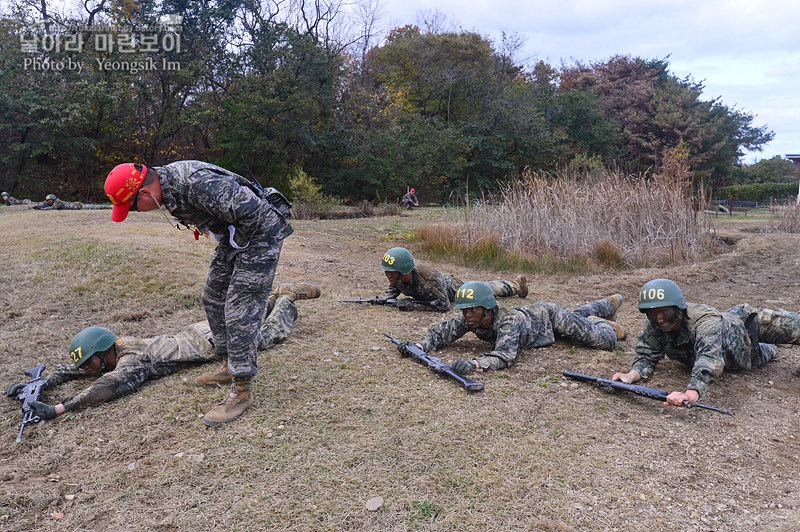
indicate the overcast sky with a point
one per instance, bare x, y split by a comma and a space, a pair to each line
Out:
746, 53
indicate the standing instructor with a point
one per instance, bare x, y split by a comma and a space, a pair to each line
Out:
250, 232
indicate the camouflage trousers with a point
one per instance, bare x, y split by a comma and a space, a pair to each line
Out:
278, 324
235, 300
504, 288
765, 327
575, 327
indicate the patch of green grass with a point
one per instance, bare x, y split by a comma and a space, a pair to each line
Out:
424, 510
545, 381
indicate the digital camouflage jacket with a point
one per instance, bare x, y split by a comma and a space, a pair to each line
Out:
710, 341
10, 200
427, 284
527, 327
59, 205
137, 361
209, 198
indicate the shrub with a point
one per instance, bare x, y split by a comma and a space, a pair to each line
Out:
304, 189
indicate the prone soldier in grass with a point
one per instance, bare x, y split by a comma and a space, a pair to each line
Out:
8, 199
51, 202
524, 327
422, 283
703, 338
124, 364
250, 231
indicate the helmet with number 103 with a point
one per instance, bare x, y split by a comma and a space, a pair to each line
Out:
397, 260
474, 294
660, 293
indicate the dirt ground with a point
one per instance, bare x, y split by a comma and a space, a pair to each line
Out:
341, 418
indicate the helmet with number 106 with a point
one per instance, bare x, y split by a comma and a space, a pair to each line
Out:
398, 260
474, 294
661, 293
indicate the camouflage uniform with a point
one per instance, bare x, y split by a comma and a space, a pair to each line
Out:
529, 326
427, 284
409, 200
59, 205
14, 201
139, 360
251, 232
710, 341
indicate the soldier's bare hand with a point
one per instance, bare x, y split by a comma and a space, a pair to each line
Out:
677, 398
628, 378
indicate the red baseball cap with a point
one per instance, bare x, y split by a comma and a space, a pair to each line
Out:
122, 183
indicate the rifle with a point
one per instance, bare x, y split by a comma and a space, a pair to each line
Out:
644, 391
27, 395
438, 366
389, 301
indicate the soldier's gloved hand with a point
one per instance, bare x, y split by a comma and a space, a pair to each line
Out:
405, 304
403, 348
12, 390
462, 367
43, 410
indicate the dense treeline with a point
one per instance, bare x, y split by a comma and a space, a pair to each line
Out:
302, 86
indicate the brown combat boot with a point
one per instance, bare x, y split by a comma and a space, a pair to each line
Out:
297, 291
522, 281
215, 378
239, 399
616, 301
619, 330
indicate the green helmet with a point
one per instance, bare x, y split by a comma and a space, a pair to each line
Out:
89, 341
660, 293
4, 193
398, 260
50, 197
475, 294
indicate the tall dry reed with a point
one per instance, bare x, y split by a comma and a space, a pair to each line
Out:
784, 219
615, 220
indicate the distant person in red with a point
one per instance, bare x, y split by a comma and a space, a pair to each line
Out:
409, 200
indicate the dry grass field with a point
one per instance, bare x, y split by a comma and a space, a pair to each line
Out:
341, 418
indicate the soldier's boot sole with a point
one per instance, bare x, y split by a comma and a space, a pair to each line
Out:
616, 302
522, 281
215, 379
297, 291
619, 330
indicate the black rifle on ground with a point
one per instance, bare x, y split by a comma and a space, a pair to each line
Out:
438, 366
389, 301
644, 391
28, 394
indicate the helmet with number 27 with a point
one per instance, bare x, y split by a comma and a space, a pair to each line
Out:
89, 341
